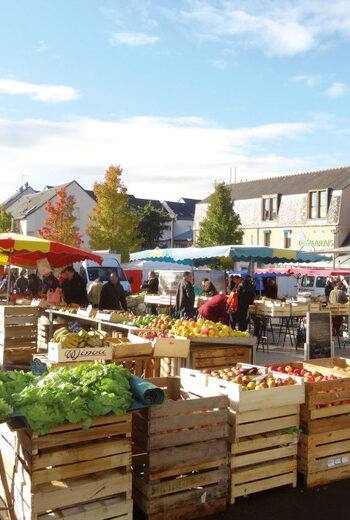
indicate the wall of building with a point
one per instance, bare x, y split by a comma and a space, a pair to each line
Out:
306, 234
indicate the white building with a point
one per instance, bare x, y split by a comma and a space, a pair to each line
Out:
28, 208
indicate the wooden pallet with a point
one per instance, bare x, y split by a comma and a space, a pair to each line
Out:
68, 467
212, 356
43, 333
324, 457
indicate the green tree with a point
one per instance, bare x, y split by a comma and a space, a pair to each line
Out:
60, 223
153, 223
113, 225
221, 225
6, 221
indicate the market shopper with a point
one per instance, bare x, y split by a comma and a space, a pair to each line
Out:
185, 297
337, 295
246, 296
94, 292
209, 288
270, 290
329, 287
34, 286
215, 309
151, 286
74, 287
232, 302
52, 289
113, 295
22, 284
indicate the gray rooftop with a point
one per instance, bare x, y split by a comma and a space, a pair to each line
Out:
336, 179
28, 203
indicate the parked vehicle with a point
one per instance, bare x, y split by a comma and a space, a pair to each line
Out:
90, 270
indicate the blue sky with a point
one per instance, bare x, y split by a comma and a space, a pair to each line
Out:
176, 92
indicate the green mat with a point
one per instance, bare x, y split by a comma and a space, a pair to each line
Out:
145, 393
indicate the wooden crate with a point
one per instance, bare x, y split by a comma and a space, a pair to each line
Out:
325, 408
180, 466
18, 334
68, 467
263, 452
43, 333
179, 421
139, 366
115, 508
339, 366
215, 356
324, 457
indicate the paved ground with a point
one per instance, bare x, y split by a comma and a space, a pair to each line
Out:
285, 503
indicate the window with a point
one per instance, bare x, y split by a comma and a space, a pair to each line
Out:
269, 207
307, 281
267, 239
321, 281
318, 204
287, 239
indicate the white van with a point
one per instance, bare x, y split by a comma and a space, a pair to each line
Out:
90, 270
316, 284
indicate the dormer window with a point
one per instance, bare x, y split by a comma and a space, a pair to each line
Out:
269, 207
317, 204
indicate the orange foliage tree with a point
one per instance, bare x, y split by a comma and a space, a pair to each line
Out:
60, 224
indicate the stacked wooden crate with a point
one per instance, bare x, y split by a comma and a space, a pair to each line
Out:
180, 467
263, 433
324, 452
18, 334
70, 474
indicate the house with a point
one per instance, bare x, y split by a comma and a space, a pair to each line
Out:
181, 214
180, 231
28, 210
23, 190
308, 211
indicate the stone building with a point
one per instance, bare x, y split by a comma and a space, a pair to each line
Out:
308, 211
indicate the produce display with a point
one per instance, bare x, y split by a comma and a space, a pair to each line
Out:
253, 378
66, 394
92, 338
121, 317
151, 321
135, 299
191, 329
310, 376
151, 334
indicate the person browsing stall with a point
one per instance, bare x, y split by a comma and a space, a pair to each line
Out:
215, 309
185, 297
113, 295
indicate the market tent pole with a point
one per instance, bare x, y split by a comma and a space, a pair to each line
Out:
8, 278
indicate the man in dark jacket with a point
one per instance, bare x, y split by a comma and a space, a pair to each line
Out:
185, 296
74, 287
246, 296
22, 284
151, 286
113, 295
209, 288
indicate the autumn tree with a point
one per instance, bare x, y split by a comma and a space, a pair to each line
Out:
6, 221
113, 225
60, 224
153, 223
221, 225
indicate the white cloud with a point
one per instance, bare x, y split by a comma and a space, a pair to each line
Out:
219, 64
134, 39
46, 93
170, 157
275, 27
309, 81
42, 47
337, 89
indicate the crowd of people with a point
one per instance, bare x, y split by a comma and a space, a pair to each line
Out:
68, 287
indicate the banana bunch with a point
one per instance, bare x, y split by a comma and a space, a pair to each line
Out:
93, 338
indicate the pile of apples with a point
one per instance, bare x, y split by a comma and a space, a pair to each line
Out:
204, 328
308, 375
150, 335
251, 378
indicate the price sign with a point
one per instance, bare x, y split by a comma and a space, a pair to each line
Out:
74, 326
319, 342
